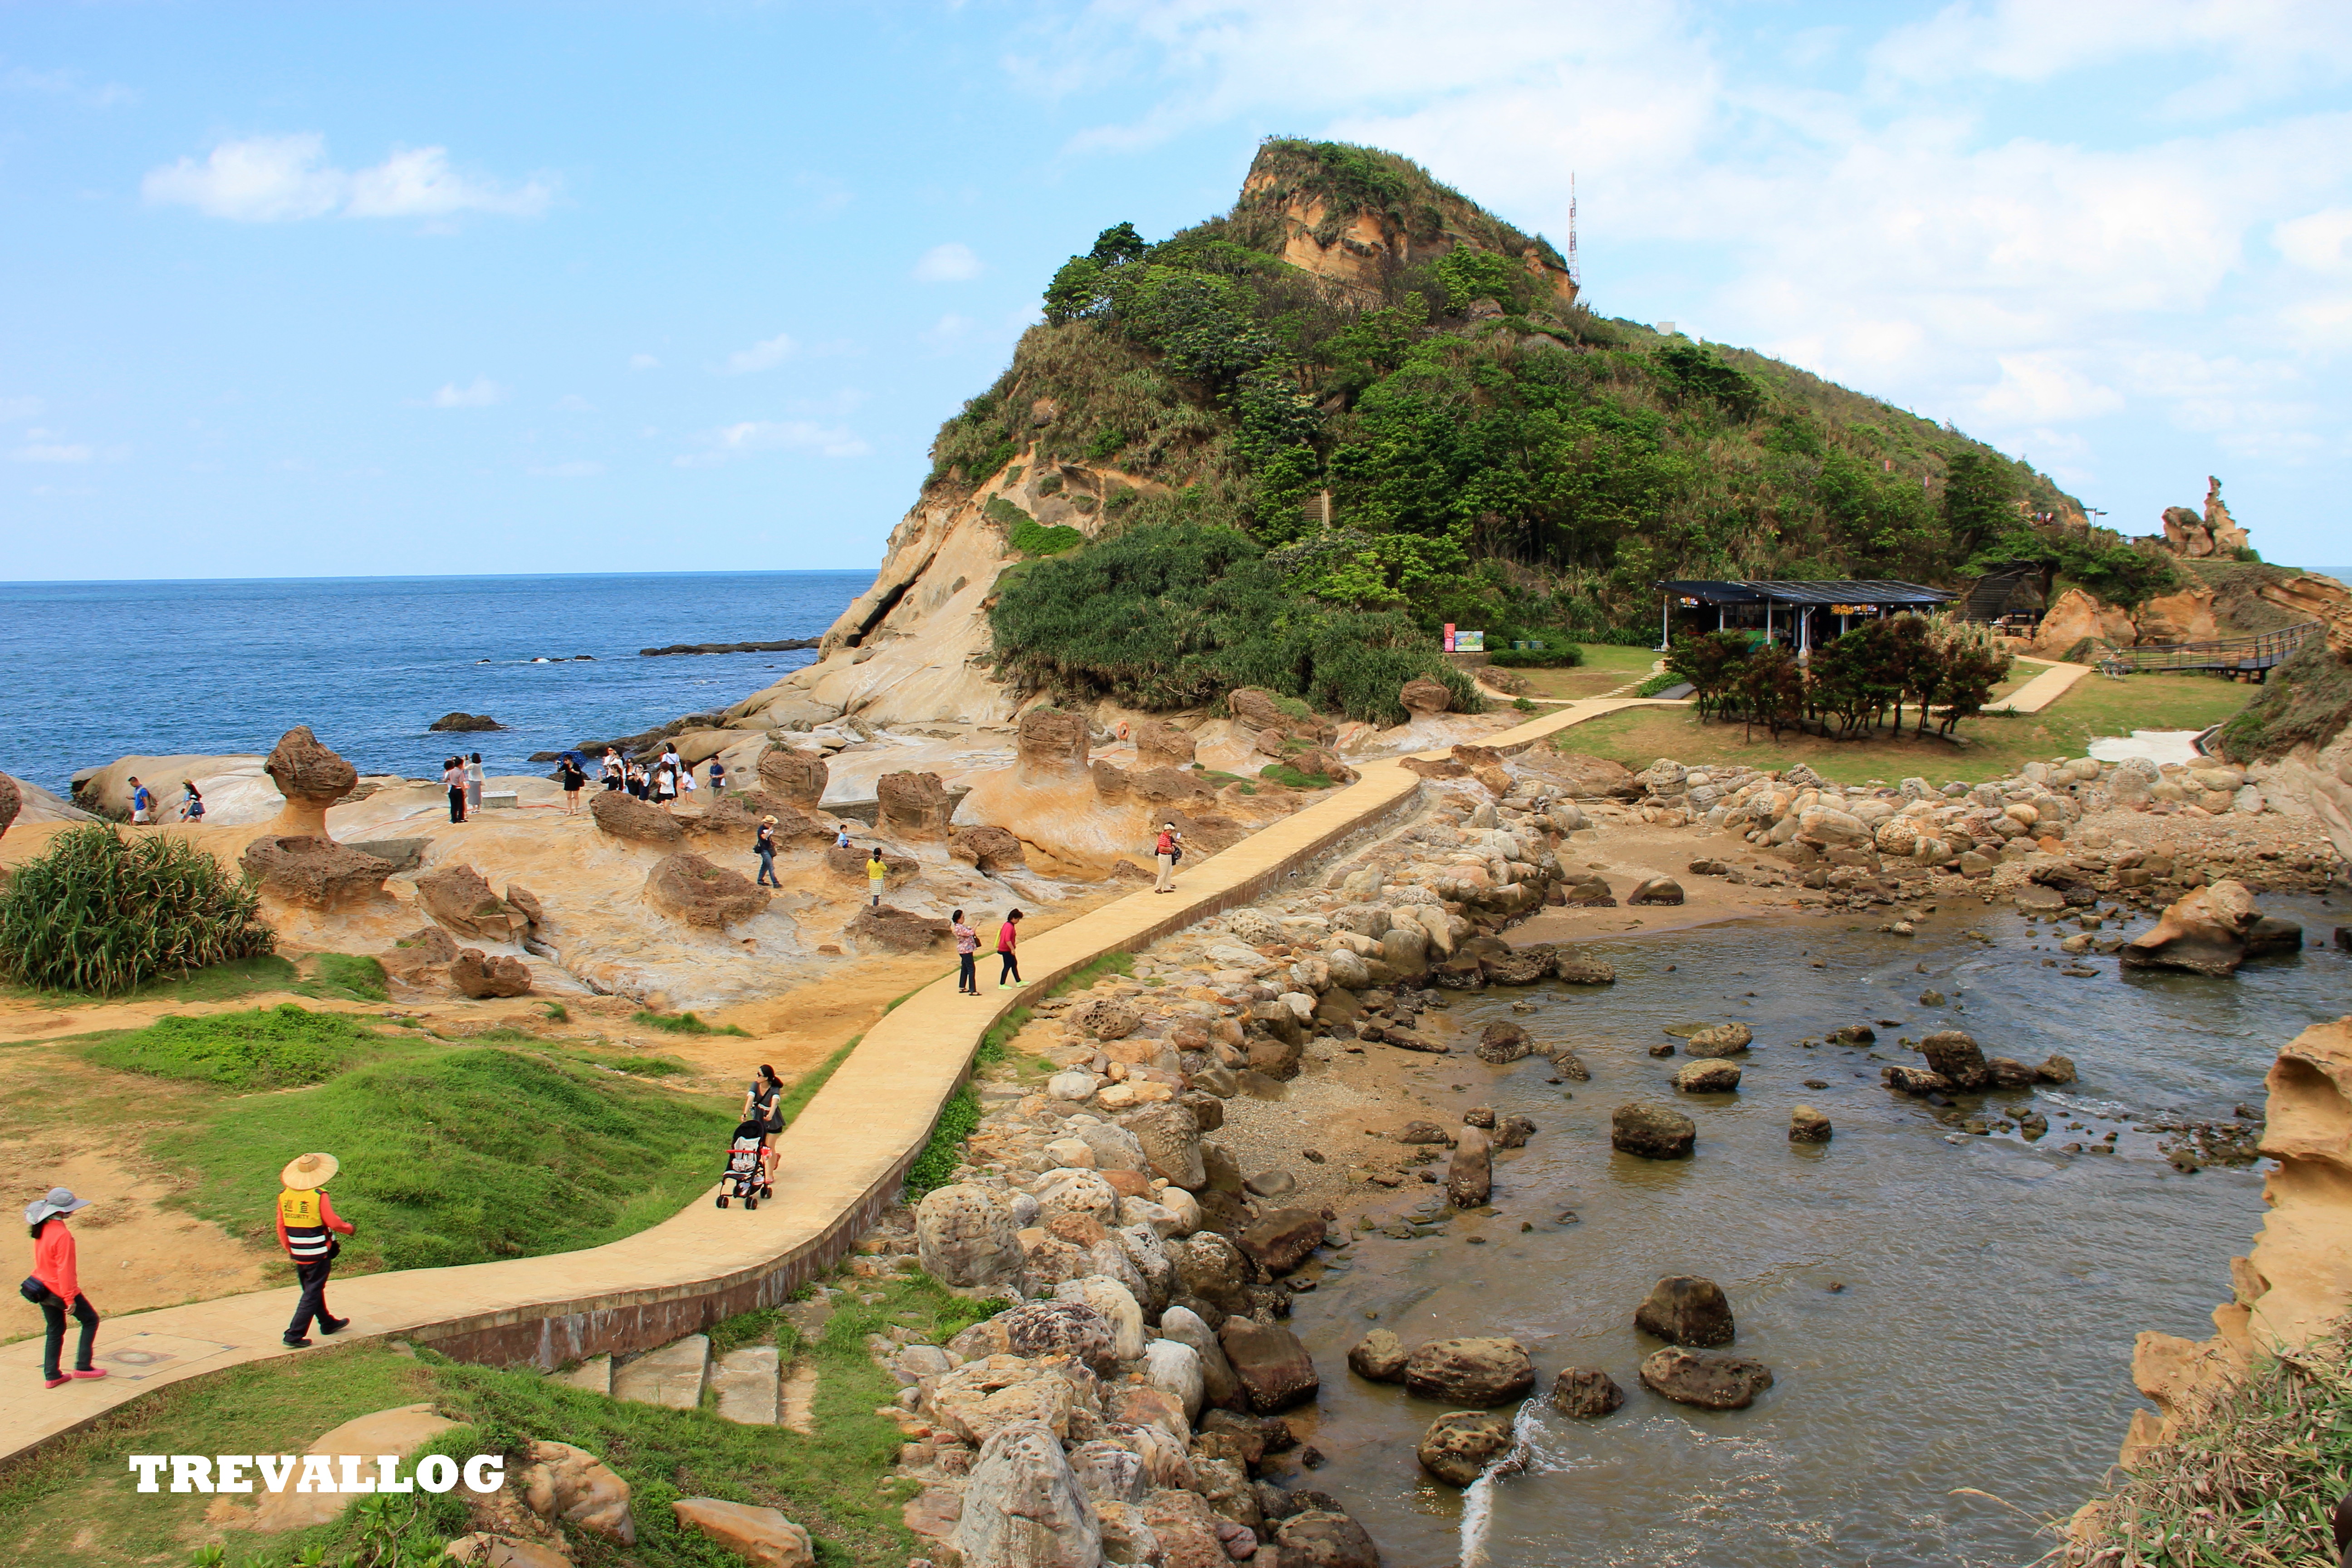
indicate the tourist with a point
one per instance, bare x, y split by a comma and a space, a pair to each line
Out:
759, 1105
877, 874
765, 848
453, 775
616, 773
967, 942
1168, 849
1007, 936
717, 776
573, 776
636, 777
60, 1286
474, 784
192, 803
307, 1225
142, 804
664, 784
841, 837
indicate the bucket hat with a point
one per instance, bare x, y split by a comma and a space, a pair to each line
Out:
60, 1201
309, 1170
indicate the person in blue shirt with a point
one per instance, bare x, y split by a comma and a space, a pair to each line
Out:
142, 803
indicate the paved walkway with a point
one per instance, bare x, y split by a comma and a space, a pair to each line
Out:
844, 1161
2053, 682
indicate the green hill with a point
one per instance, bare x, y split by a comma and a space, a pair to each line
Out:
1357, 406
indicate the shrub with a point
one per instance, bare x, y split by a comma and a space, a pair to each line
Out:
104, 914
935, 1166
1567, 656
357, 973
275, 1047
2307, 701
684, 1023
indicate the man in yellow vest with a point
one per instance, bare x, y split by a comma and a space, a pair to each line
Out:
307, 1226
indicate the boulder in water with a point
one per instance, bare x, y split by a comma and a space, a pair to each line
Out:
1459, 1445
1586, 1393
1721, 1040
464, 722
1955, 1056
2204, 933
1706, 1078
1324, 1538
1481, 1370
1273, 1366
1685, 1309
1503, 1041
1807, 1125
1709, 1382
1378, 1357
1656, 890
1652, 1132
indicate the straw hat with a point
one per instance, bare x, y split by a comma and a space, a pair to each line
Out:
309, 1170
60, 1201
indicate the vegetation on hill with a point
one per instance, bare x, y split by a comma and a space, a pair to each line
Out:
1493, 458
2307, 700
101, 913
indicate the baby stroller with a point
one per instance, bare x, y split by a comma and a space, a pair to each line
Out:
747, 1175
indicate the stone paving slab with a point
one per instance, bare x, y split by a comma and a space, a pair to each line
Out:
594, 1374
748, 1386
843, 1161
672, 1376
2041, 690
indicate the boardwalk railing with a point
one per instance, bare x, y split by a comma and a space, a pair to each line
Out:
2252, 655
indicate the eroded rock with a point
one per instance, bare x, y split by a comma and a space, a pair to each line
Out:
688, 886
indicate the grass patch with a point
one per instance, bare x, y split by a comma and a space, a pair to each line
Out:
684, 1023
283, 1047
215, 982
1604, 669
463, 1155
1664, 681
1993, 746
2250, 1478
649, 1067
1290, 777
935, 1166
355, 975
557, 1013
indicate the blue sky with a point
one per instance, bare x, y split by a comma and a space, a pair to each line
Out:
356, 289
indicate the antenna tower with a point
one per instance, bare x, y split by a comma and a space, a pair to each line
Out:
1575, 270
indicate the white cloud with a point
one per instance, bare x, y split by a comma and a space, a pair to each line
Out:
766, 354
478, 394
2036, 387
948, 332
573, 470
275, 179
949, 263
2317, 242
644, 361
572, 402
774, 436
21, 407
67, 84
53, 452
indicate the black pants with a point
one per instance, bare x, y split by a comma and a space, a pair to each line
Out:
967, 972
313, 1304
54, 1310
456, 804
1011, 970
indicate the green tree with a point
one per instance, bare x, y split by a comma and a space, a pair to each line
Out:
1711, 663
1979, 500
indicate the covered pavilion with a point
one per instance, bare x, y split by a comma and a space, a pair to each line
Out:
1786, 610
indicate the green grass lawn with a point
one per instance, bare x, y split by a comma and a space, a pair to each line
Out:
75, 1501
1988, 747
452, 1152
333, 976
1606, 668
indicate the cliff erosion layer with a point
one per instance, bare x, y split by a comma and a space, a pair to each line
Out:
2297, 1280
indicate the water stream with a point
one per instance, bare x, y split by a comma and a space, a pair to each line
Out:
1942, 1310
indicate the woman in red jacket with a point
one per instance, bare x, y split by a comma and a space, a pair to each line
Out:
52, 1268
1008, 938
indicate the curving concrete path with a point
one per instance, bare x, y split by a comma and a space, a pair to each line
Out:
2054, 681
844, 1161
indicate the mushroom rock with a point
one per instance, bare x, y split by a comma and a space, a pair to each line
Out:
797, 776
851, 862
901, 931
626, 817
986, 848
311, 778
1110, 781
1052, 741
701, 894
1160, 744
479, 976
1164, 783
913, 805
1421, 695
460, 899
317, 873
2205, 933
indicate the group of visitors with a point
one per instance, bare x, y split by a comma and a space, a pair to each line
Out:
142, 802
463, 776
308, 1225
661, 782
967, 940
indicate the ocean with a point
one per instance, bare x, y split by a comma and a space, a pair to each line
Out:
93, 671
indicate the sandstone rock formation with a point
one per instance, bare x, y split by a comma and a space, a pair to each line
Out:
626, 816
986, 849
693, 890
912, 806
477, 976
1652, 1132
1706, 1078
1586, 1393
2206, 933
966, 1238
571, 1485
1052, 742
1379, 1357
1458, 1447
1024, 1507
1159, 744
2296, 1282
1685, 1309
1709, 1382
311, 778
1808, 1125
317, 873
1273, 1368
760, 1536
1478, 1370
2197, 536
1422, 697
409, 958
2184, 616
12, 800
797, 776
2077, 614
899, 931
458, 898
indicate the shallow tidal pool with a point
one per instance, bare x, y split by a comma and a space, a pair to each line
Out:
1942, 1310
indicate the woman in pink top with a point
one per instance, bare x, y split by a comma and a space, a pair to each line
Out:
53, 1268
967, 956
1007, 936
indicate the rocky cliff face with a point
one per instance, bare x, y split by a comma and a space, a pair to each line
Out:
2297, 1280
1354, 246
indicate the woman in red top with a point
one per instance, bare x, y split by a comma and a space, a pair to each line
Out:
53, 1267
1007, 936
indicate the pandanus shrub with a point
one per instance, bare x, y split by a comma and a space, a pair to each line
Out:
103, 913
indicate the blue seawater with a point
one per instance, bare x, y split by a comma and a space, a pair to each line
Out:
92, 671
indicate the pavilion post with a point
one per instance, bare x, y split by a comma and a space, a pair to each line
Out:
1665, 622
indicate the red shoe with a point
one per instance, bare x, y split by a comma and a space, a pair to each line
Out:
88, 1372
57, 1383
